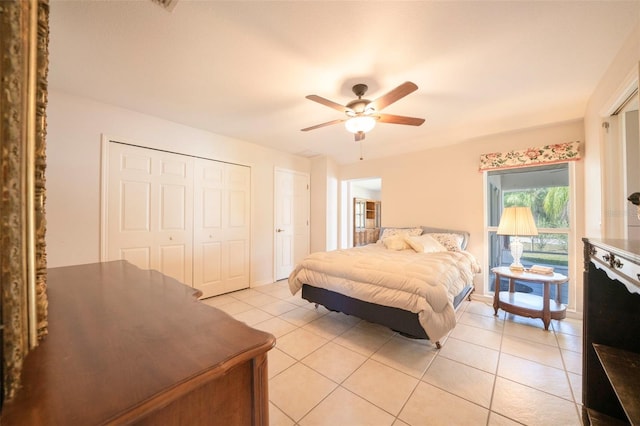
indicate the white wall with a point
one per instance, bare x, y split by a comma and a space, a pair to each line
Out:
74, 129
442, 187
439, 187
318, 228
360, 192
325, 196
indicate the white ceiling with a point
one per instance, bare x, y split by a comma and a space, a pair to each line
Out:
242, 68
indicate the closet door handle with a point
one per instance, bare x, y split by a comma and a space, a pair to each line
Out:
279, 230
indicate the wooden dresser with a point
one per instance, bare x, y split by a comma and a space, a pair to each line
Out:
128, 346
611, 352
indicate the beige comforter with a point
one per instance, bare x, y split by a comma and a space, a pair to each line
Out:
423, 283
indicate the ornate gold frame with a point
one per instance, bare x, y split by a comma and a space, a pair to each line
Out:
24, 41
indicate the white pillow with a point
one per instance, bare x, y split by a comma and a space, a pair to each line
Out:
390, 232
425, 244
452, 242
395, 242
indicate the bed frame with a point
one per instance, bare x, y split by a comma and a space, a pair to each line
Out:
400, 320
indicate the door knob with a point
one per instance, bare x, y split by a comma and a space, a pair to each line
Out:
279, 230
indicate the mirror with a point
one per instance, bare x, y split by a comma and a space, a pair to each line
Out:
620, 156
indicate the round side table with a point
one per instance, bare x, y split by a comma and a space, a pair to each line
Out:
529, 305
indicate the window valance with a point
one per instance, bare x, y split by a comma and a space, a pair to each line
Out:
556, 153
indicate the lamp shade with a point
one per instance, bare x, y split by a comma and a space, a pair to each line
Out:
517, 221
360, 123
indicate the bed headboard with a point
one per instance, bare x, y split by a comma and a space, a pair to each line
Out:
430, 229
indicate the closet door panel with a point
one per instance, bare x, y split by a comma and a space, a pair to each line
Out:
171, 261
208, 232
237, 259
135, 213
129, 199
237, 228
211, 209
173, 207
212, 268
237, 210
174, 230
139, 256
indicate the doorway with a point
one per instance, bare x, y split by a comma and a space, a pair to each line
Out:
362, 211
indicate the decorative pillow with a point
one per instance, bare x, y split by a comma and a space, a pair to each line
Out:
425, 244
451, 241
390, 232
395, 242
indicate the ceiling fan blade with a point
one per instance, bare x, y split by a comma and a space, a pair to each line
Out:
326, 102
317, 126
398, 93
400, 119
359, 136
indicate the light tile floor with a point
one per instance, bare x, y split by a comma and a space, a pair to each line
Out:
332, 369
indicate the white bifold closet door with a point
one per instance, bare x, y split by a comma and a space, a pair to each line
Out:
150, 210
183, 216
221, 227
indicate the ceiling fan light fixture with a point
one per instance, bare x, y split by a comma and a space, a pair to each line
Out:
361, 123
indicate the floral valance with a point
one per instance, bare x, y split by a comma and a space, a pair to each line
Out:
556, 153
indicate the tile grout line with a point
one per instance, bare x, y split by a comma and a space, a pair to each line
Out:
370, 356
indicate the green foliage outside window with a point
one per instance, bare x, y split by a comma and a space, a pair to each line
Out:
550, 208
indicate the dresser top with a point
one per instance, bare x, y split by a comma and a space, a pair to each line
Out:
629, 249
120, 339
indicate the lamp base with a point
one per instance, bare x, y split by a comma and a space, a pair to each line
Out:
516, 252
516, 268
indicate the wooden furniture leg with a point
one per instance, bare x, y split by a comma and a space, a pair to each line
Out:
546, 310
496, 295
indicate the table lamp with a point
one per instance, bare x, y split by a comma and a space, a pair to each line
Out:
517, 222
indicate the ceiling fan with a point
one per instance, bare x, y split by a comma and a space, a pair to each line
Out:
362, 114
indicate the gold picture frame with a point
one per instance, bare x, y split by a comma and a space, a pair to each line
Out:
24, 41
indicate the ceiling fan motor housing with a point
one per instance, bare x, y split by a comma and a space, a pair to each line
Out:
360, 89
358, 107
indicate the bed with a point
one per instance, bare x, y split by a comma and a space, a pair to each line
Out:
405, 281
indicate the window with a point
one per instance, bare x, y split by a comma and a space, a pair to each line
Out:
546, 190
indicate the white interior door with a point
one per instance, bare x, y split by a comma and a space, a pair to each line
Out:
291, 220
